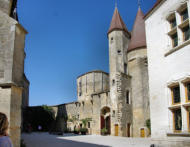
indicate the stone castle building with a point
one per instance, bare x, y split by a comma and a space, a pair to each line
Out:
117, 101
14, 86
149, 79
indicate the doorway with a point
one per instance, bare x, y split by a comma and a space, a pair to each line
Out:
142, 132
105, 121
116, 130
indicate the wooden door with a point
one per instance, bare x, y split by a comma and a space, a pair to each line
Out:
116, 130
142, 132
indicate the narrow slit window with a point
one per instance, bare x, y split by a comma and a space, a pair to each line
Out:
125, 68
127, 97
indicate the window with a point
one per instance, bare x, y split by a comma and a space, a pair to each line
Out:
186, 33
173, 23
174, 38
88, 124
125, 68
80, 88
184, 15
188, 118
175, 95
111, 40
119, 52
187, 91
177, 120
113, 82
113, 113
127, 97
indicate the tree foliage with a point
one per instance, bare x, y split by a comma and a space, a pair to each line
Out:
40, 115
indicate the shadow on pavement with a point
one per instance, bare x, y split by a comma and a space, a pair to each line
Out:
46, 140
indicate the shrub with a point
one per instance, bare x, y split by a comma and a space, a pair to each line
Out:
148, 124
76, 131
83, 131
104, 131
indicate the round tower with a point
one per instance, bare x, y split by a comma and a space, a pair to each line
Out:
118, 37
138, 70
91, 83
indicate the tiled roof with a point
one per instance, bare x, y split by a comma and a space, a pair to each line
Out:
138, 37
117, 23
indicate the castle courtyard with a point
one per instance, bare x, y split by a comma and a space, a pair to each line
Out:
70, 140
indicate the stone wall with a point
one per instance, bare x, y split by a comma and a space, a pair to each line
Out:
81, 110
5, 6
7, 36
92, 82
138, 70
12, 37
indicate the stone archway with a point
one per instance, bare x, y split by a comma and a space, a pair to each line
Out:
105, 119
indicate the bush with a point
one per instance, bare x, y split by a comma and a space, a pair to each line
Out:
104, 131
83, 131
148, 124
39, 115
76, 131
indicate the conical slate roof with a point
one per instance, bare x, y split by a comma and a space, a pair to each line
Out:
138, 37
117, 23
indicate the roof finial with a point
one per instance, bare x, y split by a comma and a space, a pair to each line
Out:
139, 3
115, 3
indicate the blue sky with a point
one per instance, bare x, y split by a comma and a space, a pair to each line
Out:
66, 39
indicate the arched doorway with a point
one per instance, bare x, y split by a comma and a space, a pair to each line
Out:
105, 119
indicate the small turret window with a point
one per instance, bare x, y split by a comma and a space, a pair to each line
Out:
125, 68
119, 52
127, 97
113, 82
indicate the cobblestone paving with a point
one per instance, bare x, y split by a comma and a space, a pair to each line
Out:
70, 140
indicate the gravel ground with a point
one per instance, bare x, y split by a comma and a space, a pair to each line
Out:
70, 140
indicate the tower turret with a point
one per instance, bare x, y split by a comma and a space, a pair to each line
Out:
138, 70
119, 37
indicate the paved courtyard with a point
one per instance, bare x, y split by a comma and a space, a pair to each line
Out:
70, 140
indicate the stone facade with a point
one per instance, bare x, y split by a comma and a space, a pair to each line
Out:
12, 79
